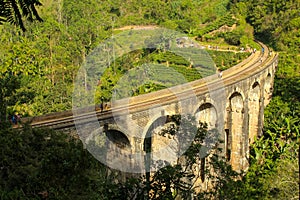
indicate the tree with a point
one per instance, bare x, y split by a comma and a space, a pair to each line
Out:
8, 86
178, 180
13, 11
42, 164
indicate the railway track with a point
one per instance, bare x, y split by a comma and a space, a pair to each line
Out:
254, 64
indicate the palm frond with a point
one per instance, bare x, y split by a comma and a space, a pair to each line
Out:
14, 11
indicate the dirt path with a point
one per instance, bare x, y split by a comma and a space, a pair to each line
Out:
137, 27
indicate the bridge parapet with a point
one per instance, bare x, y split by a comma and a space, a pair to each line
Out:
247, 88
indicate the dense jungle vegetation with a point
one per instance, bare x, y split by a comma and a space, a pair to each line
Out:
51, 52
38, 68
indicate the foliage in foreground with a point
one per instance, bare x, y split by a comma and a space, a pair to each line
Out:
13, 11
41, 163
273, 170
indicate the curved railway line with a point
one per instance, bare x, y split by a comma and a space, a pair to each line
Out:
254, 64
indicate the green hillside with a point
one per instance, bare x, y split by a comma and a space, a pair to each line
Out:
44, 60
38, 69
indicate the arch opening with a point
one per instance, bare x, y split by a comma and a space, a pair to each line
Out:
235, 140
207, 113
254, 111
255, 85
154, 139
267, 89
118, 138
154, 142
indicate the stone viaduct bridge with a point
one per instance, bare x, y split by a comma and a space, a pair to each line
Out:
233, 104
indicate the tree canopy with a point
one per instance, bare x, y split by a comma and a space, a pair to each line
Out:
38, 68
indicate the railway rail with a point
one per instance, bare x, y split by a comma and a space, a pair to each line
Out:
254, 64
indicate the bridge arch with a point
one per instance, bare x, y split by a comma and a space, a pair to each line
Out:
234, 139
256, 81
207, 113
158, 117
152, 131
267, 89
118, 138
254, 110
235, 91
274, 66
156, 146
